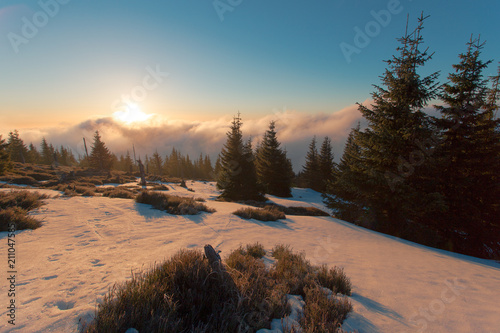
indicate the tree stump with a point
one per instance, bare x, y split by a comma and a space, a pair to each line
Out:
213, 259
143, 175
225, 280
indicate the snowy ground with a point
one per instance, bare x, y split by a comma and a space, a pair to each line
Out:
86, 244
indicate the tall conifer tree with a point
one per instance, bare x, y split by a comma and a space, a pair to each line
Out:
100, 156
47, 152
326, 163
237, 178
33, 154
342, 194
396, 125
274, 169
17, 149
469, 157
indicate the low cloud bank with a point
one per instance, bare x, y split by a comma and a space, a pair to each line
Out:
295, 131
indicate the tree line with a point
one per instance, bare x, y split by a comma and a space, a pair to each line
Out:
101, 158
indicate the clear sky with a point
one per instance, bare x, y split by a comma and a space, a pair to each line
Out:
64, 62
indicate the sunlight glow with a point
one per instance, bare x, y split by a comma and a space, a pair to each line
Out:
131, 115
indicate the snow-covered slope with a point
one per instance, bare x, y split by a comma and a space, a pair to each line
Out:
86, 244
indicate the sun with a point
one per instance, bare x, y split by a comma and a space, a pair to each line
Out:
131, 115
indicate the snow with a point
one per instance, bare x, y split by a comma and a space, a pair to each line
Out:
291, 321
87, 244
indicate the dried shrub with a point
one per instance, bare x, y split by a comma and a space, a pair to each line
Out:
266, 214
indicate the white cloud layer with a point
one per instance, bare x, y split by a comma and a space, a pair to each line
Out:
295, 131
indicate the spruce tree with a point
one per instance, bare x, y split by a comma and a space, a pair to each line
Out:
325, 163
5, 163
157, 163
174, 163
128, 163
207, 168
217, 167
62, 156
100, 156
342, 194
249, 170
33, 155
65, 156
391, 154
16, 147
47, 153
469, 157
237, 178
274, 169
311, 170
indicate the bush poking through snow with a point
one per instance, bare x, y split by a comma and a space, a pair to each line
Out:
334, 279
304, 211
297, 272
172, 204
256, 250
323, 313
14, 207
19, 217
23, 199
118, 192
292, 210
184, 294
75, 189
292, 270
157, 187
266, 214
20, 180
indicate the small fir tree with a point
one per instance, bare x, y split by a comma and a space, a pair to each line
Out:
5, 163
100, 156
341, 194
33, 154
47, 152
311, 170
16, 147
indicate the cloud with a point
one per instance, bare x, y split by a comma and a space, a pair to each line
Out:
295, 131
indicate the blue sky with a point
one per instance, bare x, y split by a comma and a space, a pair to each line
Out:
262, 57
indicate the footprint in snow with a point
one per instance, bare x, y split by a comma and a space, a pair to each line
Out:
61, 305
54, 257
96, 263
